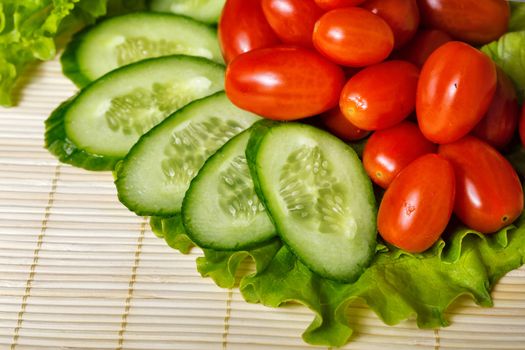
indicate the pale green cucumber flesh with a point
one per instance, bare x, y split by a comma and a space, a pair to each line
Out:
207, 11
129, 38
156, 173
319, 196
221, 209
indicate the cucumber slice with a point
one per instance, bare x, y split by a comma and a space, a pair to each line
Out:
207, 11
319, 196
221, 210
119, 41
156, 173
98, 127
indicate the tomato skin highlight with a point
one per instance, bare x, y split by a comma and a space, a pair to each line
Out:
388, 152
381, 95
423, 44
292, 20
401, 15
455, 89
243, 27
341, 35
474, 21
337, 124
417, 206
499, 124
284, 83
334, 4
489, 195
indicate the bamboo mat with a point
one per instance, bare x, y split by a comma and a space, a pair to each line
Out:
79, 271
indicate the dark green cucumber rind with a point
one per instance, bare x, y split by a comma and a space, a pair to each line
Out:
188, 198
69, 61
58, 144
261, 130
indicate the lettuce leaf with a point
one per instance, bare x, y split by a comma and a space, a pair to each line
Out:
29, 30
396, 286
517, 19
509, 53
172, 230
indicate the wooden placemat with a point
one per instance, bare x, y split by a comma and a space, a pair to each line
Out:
79, 271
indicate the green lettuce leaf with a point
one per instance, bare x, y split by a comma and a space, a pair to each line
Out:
172, 230
29, 30
397, 285
517, 19
509, 53
223, 266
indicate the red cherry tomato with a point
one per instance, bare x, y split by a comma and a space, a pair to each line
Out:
353, 37
456, 86
380, 96
292, 20
401, 15
522, 125
423, 44
284, 83
334, 4
417, 206
499, 124
489, 195
474, 21
337, 124
243, 27
388, 152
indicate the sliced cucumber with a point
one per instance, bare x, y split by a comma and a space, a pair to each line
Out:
221, 210
319, 196
119, 41
207, 11
98, 127
155, 175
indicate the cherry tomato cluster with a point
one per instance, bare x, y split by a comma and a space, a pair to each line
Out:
438, 110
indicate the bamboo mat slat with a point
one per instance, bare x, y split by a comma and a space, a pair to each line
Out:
79, 271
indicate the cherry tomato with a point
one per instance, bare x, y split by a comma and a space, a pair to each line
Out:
337, 124
380, 96
423, 44
353, 37
499, 124
474, 21
292, 20
456, 86
417, 206
522, 125
243, 27
401, 15
489, 194
284, 83
334, 4
388, 152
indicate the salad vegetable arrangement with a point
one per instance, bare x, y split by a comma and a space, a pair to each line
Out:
425, 92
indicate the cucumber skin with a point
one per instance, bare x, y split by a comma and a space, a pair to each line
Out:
58, 144
69, 62
260, 130
187, 224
